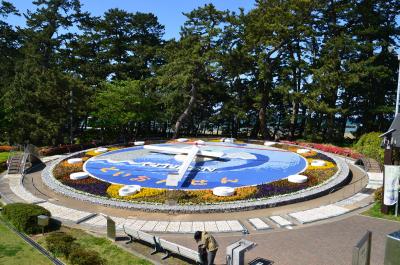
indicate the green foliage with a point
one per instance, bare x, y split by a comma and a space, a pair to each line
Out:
85, 257
375, 211
37, 101
110, 252
370, 145
15, 251
24, 216
378, 194
60, 243
122, 106
3, 160
285, 69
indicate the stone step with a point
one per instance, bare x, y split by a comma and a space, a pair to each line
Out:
320, 213
259, 224
280, 221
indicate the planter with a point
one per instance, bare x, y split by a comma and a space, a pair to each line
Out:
297, 178
223, 191
78, 175
129, 190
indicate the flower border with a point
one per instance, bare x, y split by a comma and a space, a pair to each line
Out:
306, 194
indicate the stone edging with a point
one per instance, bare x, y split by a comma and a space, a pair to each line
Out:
313, 192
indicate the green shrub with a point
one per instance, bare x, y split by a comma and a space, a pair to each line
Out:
80, 256
378, 194
24, 216
370, 145
3, 166
60, 243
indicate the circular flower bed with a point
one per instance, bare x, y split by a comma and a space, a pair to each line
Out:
316, 176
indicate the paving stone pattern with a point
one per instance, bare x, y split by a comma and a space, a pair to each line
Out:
62, 212
320, 213
353, 199
280, 221
259, 224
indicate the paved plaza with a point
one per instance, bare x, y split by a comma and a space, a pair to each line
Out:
330, 243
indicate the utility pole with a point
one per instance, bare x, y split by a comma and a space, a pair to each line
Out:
70, 118
391, 50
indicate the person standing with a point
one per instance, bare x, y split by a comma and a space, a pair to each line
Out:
207, 242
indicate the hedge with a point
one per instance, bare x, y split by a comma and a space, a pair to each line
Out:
24, 216
81, 256
62, 149
60, 243
7, 148
369, 145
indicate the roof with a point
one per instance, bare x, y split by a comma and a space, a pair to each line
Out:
394, 132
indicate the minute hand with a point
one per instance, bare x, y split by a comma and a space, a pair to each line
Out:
173, 150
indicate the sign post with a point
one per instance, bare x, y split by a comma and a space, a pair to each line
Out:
362, 251
43, 221
111, 229
391, 186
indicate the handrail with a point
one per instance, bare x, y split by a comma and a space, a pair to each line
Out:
352, 188
29, 151
11, 154
23, 163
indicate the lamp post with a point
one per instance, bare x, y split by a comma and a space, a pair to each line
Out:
391, 50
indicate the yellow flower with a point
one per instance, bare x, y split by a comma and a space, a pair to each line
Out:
295, 148
92, 153
193, 196
208, 196
309, 154
328, 165
113, 189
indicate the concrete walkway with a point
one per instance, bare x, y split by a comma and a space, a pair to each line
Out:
69, 210
330, 243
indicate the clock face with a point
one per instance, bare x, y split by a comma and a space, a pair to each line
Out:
241, 165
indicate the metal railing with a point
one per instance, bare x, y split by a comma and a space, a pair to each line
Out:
353, 187
15, 151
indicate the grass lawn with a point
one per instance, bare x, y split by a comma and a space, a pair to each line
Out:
375, 211
3, 156
107, 250
15, 251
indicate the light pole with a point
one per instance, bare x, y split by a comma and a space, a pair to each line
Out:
391, 50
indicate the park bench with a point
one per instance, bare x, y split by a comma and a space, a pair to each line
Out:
161, 245
170, 248
145, 237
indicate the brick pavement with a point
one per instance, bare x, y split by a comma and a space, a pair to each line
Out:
324, 244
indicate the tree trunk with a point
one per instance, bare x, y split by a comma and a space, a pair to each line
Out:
255, 129
262, 113
293, 119
262, 118
303, 121
185, 114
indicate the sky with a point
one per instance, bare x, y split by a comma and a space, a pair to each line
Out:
169, 12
